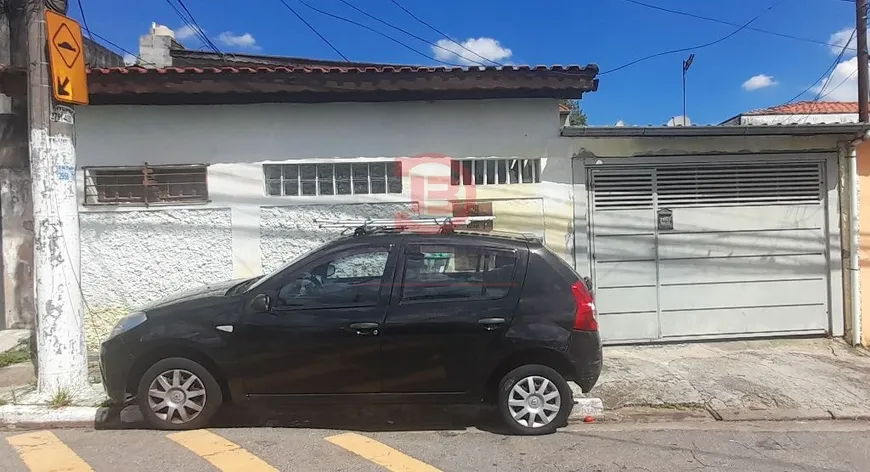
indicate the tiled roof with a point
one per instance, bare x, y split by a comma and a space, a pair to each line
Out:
379, 69
310, 81
808, 108
564, 108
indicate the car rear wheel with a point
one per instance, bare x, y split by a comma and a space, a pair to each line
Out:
534, 399
178, 393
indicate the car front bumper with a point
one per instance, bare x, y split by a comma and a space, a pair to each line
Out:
587, 357
115, 365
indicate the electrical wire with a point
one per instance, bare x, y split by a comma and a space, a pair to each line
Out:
314, 30
693, 48
821, 91
840, 84
472, 61
84, 20
194, 27
826, 72
421, 21
723, 22
198, 28
120, 48
380, 33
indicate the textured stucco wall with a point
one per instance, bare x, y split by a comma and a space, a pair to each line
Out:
131, 258
286, 232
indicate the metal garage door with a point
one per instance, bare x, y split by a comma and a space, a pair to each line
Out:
689, 251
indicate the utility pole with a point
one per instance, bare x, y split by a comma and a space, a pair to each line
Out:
863, 93
61, 351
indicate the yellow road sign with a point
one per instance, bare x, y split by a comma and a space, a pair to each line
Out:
69, 81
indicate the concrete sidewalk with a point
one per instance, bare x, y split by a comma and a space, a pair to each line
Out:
770, 379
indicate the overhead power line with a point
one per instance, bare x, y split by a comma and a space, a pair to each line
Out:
700, 46
120, 48
380, 33
419, 38
191, 23
826, 72
723, 22
395, 2
821, 91
84, 19
314, 30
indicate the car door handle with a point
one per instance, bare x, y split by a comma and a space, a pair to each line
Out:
491, 323
364, 329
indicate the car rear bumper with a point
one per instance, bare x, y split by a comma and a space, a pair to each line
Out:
584, 351
115, 364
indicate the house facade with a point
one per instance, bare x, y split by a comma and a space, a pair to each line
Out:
210, 168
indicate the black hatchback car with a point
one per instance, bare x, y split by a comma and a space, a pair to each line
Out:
388, 317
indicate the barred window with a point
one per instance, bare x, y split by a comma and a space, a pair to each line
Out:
145, 185
290, 180
495, 171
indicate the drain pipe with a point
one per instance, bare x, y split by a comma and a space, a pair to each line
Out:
854, 262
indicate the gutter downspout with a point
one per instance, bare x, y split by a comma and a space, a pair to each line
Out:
854, 261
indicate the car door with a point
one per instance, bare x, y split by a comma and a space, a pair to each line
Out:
320, 333
452, 302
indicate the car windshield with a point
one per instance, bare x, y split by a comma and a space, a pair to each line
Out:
285, 266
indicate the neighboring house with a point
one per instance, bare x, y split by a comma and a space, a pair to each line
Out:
564, 114
799, 113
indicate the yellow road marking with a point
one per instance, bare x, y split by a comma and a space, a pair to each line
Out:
42, 451
380, 453
225, 455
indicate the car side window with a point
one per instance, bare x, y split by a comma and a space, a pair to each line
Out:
449, 272
347, 279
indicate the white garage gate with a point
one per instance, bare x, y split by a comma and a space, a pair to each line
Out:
735, 248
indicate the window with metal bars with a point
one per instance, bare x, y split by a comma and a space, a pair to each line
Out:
373, 178
495, 171
146, 185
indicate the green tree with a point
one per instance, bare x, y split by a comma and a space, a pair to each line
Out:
576, 117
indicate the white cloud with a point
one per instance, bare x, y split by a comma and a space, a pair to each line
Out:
842, 84
759, 81
491, 49
245, 41
838, 41
187, 32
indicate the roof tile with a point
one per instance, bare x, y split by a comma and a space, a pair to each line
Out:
808, 108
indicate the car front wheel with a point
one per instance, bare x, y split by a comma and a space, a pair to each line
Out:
178, 393
534, 399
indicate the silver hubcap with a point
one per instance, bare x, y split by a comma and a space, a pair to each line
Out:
534, 401
176, 396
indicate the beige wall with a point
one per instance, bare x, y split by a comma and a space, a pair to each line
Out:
864, 236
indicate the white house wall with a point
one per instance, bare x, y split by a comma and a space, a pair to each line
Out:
131, 255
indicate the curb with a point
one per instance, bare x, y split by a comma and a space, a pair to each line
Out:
776, 414
38, 416
584, 407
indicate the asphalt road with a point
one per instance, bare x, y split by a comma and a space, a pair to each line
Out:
674, 447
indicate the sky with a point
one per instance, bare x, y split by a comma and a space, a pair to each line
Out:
746, 71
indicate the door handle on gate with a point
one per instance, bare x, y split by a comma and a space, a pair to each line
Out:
365, 329
491, 323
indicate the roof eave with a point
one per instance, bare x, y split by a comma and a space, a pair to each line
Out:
712, 131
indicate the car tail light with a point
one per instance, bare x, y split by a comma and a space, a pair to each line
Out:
586, 317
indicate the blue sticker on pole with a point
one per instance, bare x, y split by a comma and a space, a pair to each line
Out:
66, 172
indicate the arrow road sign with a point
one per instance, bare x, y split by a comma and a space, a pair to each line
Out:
69, 77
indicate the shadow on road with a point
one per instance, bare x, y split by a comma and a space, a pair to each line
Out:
369, 418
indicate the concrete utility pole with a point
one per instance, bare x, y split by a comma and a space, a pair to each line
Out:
863, 93
61, 352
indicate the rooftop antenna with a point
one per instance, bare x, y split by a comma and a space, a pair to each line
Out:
686, 64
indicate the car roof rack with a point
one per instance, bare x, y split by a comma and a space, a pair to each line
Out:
445, 224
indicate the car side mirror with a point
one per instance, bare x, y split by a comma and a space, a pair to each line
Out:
261, 303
